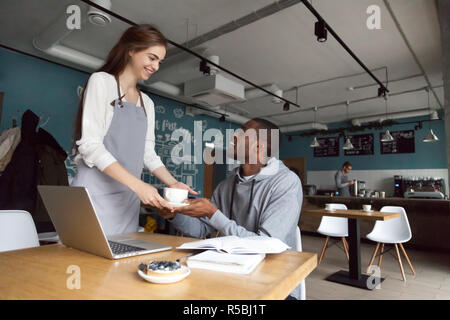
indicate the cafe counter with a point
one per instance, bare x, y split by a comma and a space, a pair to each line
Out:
429, 219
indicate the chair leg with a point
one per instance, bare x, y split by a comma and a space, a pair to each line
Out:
407, 259
373, 256
323, 249
345, 247
346, 243
400, 262
381, 255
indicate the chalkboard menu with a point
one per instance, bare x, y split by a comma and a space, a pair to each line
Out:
403, 142
362, 143
329, 147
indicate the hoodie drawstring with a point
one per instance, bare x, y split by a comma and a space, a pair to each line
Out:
232, 197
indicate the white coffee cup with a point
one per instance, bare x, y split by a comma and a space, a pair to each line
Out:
328, 206
367, 207
175, 195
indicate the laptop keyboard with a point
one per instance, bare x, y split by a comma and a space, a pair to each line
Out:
119, 248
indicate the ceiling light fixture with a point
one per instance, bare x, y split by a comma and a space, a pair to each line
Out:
286, 106
430, 137
315, 143
320, 31
386, 137
348, 144
204, 67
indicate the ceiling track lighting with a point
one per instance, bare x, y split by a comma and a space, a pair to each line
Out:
320, 31
204, 67
382, 92
286, 106
321, 27
222, 118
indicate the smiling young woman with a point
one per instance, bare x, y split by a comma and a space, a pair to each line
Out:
114, 132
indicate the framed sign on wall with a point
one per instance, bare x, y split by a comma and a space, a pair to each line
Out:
329, 147
403, 143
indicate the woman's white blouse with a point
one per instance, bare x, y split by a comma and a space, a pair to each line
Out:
100, 91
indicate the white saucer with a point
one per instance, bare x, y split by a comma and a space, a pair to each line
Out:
368, 211
166, 279
330, 210
177, 204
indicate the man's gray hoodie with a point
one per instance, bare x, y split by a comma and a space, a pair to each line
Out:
268, 204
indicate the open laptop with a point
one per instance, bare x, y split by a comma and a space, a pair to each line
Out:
77, 225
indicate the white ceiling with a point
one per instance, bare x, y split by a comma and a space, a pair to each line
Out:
280, 48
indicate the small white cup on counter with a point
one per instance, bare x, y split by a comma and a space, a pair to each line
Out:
367, 207
328, 207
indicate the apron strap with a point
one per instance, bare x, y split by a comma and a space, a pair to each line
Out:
120, 97
118, 92
142, 102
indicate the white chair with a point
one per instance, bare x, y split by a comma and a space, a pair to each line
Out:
334, 227
298, 245
394, 231
17, 230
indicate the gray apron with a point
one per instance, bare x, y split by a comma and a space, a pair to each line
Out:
345, 191
116, 205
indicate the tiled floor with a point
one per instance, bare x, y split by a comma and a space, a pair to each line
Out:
432, 280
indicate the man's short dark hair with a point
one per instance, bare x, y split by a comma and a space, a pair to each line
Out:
266, 124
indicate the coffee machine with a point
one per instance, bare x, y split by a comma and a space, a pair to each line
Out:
358, 188
419, 187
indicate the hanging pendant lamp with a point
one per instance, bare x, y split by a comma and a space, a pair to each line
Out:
348, 144
430, 137
315, 143
386, 137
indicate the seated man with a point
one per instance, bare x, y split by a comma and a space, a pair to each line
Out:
261, 198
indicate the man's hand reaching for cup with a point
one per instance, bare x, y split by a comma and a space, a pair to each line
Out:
197, 208
166, 213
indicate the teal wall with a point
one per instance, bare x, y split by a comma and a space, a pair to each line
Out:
50, 89
426, 156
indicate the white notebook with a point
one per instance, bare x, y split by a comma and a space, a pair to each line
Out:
234, 244
225, 262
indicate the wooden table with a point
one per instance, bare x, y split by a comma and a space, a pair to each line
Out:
41, 273
353, 277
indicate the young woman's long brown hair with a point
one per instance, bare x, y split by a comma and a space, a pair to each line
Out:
135, 38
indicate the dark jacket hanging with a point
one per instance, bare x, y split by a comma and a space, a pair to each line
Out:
18, 181
38, 159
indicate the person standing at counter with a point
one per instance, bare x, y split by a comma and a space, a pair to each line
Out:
114, 133
341, 179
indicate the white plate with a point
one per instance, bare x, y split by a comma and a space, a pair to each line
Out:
368, 211
166, 279
331, 210
177, 204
